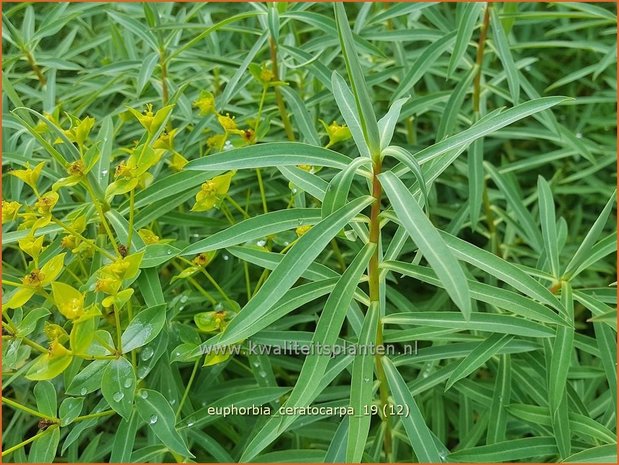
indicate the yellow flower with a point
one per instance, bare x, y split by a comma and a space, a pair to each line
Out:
76, 168
46, 203
68, 242
212, 192
70, 301
266, 75
336, 132
205, 103
30, 175
227, 122
147, 117
301, 230
9, 211
165, 140
35, 280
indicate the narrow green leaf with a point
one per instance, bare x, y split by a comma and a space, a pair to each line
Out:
346, 103
501, 269
561, 352
507, 451
124, 439
501, 397
365, 108
428, 240
423, 64
487, 126
590, 239
600, 454
386, 125
484, 351
302, 117
505, 55
156, 412
409, 160
270, 154
469, 15
255, 228
501, 298
337, 190
549, 224
361, 388
419, 436
490, 322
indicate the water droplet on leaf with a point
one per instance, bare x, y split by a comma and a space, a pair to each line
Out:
118, 396
153, 419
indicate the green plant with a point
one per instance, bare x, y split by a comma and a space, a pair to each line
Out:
171, 204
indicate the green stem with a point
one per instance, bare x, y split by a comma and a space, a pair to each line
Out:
131, 218
28, 441
188, 387
105, 413
88, 241
28, 410
119, 346
237, 206
480, 58
374, 284
106, 226
35, 67
262, 192
278, 95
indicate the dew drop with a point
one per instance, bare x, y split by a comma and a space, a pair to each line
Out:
104, 172
190, 424
144, 394
286, 244
147, 353
299, 222
219, 307
294, 191
118, 396
578, 135
153, 419
262, 374
169, 252
184, 299
256, 364
367, 380
226, 257
83, 391
261, 243
128, 382
173, 401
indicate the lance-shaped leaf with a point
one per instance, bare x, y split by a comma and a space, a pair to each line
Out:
428, 240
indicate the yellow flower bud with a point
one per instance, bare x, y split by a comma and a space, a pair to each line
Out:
148, 236
336, 132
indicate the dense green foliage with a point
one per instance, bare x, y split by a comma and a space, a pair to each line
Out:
185, 177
